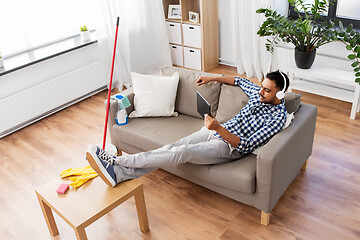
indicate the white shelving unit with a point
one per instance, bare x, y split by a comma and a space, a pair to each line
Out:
194, 45
329, 82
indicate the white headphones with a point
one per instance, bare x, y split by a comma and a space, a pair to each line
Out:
281, 94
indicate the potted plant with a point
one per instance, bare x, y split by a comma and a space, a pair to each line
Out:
84, 34
1, 61
308, 32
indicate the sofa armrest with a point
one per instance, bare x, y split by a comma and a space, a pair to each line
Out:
130, 94
281, 159
112, 113
114, 108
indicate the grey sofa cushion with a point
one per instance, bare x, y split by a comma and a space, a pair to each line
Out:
144, 134
232, 99
186, 93
292, 102
151, 133
242, 173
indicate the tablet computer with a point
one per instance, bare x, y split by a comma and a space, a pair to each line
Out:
203, 106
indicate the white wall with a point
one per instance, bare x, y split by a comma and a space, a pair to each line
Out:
36, 74
330, 55
35, 91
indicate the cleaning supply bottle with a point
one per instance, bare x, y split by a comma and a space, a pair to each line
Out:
121, 115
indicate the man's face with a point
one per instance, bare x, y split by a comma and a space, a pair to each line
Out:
268, 92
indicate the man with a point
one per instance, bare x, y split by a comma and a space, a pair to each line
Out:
262, 117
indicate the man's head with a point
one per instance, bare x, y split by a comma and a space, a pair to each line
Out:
272, 83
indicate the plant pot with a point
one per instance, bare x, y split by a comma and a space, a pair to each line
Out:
304, 60
85, 36
1, 62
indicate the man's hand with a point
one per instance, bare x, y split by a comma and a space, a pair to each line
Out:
204, 80
211, 123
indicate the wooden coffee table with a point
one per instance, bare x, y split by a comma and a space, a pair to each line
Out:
83, 206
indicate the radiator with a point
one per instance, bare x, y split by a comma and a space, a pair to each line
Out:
33, 104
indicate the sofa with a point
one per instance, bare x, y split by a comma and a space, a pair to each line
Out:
258, 180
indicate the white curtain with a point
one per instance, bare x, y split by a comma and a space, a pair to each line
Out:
142, 44
250, 53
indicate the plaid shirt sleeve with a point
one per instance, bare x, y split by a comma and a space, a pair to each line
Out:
246, 85
263, 134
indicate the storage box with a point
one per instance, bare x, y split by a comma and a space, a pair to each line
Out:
174, 32
177, 55
192, 35
192, 58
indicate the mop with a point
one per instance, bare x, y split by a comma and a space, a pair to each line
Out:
110, 84
79, 176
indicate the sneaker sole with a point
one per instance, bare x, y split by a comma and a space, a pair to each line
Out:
97, 166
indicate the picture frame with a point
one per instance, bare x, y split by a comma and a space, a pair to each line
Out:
174, 11
194, 17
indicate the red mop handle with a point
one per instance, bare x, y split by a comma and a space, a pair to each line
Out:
110, 84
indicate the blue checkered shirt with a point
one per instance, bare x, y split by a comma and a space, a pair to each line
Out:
257, 122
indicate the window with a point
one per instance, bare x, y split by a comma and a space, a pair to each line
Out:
25, 24
348, 11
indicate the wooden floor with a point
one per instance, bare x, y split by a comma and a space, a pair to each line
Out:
323, 202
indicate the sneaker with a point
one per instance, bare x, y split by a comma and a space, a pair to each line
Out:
103, 168
105, 156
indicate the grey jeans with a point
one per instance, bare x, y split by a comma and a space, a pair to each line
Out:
201, 147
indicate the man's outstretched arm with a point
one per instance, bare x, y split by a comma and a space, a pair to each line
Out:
222, 79
246, 85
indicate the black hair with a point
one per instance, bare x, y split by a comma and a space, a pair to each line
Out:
278, 78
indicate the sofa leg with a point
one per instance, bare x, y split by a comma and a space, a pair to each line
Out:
265, 218
304, 166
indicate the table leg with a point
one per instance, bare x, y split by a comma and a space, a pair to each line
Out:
141, 209
49, 217
358, 103
291, 81
355, 102
80, 233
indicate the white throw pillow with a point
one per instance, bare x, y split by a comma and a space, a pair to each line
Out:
154, 95
288, 121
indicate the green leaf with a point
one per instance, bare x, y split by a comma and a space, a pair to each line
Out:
351, 56
357, 49
354, 64
353, 42
348, 47
357, 74
357, 69
347, 38
357, 80
341, 25
349, 28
